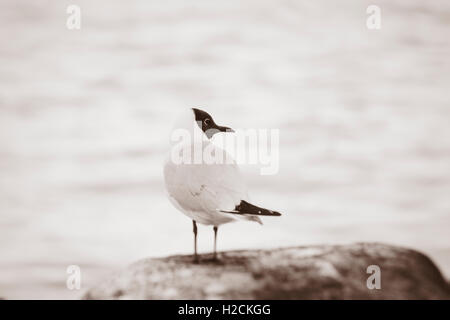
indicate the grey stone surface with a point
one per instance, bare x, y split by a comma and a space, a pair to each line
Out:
312, 272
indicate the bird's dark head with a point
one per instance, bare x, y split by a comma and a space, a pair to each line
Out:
207, 124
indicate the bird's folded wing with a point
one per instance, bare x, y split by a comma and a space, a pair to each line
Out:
207, 187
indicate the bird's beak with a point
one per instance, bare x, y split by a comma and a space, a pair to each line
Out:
216, 129
225, 129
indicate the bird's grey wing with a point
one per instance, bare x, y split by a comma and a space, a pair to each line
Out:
206, 187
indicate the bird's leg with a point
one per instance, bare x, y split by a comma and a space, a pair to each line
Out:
195, 240
215, 242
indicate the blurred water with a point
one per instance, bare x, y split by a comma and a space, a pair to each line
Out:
364, 119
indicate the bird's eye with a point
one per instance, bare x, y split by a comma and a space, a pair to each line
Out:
207, 121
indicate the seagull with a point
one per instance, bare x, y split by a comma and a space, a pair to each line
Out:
208, 193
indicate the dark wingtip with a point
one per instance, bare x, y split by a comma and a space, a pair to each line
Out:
247, 208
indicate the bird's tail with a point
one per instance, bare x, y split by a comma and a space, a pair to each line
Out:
252, 212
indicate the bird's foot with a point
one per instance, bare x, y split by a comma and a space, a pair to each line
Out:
196, 260
215, 258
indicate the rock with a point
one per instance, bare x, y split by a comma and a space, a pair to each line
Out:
313, 272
